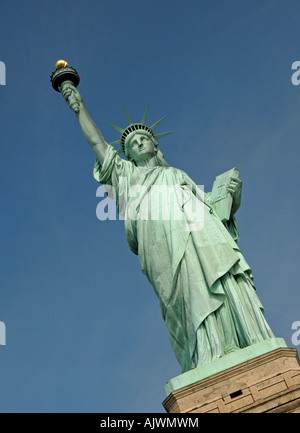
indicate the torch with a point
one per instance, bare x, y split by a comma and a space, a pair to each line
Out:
62, 75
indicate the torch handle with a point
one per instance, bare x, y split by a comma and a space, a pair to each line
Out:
74, 104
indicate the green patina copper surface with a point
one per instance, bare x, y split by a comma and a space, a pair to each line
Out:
198, 272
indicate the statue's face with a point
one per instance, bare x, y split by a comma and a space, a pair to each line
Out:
141, 147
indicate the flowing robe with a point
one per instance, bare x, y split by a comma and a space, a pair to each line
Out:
203, 283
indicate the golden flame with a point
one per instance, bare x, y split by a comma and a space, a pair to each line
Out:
61, 64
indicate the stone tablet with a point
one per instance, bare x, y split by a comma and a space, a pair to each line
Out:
221, 199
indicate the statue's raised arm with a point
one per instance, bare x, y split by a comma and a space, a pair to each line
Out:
90, 130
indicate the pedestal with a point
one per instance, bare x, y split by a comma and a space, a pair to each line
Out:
267, 382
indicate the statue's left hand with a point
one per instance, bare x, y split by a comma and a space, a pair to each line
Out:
235, 186
235, 189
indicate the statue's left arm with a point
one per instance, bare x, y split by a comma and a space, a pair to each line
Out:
235, 189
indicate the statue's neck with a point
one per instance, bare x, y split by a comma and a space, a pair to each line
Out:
152, 162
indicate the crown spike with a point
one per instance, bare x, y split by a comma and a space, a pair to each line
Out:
128, 115
157, 123
140, 127
115, 143
117, 128
157, 136
143, 121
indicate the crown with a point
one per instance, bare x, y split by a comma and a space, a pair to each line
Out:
136, 127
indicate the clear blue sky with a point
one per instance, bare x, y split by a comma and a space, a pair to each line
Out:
84, 330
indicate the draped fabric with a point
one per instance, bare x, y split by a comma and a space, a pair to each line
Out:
203, 283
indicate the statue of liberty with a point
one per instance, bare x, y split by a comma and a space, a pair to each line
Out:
204, 285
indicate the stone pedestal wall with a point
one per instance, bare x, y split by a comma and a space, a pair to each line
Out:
268, 383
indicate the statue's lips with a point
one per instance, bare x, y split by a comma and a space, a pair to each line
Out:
141, 149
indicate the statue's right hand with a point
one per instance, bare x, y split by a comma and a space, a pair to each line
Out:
72, 96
